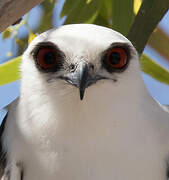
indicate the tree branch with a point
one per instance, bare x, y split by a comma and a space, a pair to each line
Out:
12, 10
149, 15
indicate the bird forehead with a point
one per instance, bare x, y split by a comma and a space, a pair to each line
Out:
86, 35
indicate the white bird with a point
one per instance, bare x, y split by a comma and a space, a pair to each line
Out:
84, 112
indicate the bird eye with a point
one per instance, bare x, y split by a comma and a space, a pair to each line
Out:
47, 58
116, 58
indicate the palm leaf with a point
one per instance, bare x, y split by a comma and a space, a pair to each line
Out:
9, 71
154, 70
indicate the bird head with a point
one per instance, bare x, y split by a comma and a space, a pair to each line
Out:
80, 60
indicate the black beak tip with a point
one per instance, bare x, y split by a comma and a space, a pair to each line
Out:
82, 94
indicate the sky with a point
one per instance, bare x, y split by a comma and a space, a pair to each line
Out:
11, 91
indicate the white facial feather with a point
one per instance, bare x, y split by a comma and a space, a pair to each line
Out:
117, 132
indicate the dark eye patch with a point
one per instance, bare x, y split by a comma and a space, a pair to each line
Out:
45, 61
116, 58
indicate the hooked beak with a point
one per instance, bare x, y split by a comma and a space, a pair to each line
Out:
82, 74
79, 77
82, 77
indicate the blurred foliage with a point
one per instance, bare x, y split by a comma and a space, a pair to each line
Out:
146, 20
46, 20
137, 4
82, 11
159, 41
122, 15
31, 37
115, 14
6, 34
9, 71
154, 70
111, 13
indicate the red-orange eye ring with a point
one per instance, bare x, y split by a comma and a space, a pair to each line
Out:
116, 58
47, 58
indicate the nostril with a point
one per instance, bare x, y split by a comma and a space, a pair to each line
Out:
72, 67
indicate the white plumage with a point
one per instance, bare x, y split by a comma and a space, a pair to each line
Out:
117, 132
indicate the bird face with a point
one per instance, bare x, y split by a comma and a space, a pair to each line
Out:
78, 57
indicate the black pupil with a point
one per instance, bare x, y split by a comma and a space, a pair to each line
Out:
114, 58
49, 58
